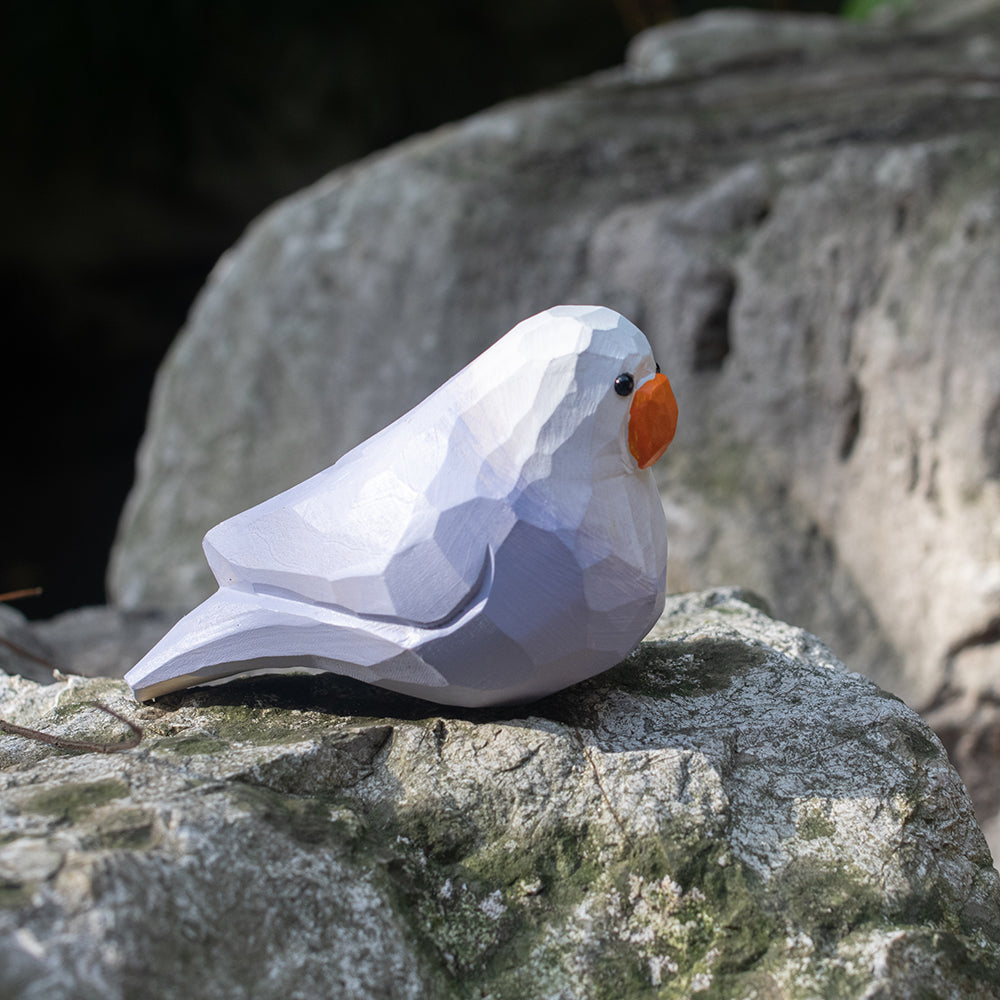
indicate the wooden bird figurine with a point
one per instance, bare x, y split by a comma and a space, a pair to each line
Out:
500, 541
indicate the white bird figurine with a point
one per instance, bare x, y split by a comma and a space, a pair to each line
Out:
501, 541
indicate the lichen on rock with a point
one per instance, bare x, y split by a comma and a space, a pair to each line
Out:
727, 811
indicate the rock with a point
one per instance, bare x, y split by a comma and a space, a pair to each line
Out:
91, 642
819, 276
728, 813
929, 15
719, 40
970, 731
102, 641
22, 651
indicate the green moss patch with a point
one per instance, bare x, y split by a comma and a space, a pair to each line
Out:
814, 823
191, 745
688, 668
825, 899
125, 828
13, 895
70, 802
312, 822
519, 912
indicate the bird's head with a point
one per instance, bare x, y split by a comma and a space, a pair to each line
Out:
576, 390
631, 391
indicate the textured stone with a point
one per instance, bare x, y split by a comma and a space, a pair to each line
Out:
92, 642
22, 650
718, 40
728, 813
101, 641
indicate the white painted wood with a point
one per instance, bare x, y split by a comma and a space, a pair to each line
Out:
495, 544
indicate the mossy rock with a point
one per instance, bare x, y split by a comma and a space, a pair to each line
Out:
727, 812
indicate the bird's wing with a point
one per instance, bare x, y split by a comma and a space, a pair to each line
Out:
399, 530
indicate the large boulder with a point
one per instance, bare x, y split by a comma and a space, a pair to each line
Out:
801, 213
729, 813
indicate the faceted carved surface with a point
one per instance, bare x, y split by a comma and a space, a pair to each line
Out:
498, 542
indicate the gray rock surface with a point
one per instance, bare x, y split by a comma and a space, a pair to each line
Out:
91, 642
102, 641
801, 213
729, 813
22, 651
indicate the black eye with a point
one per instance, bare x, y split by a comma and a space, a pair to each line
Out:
624, 384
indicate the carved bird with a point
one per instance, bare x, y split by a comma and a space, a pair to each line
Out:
502, 540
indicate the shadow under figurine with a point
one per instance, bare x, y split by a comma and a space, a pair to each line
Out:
501, 541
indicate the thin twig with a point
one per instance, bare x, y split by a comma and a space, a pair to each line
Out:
15, 595
27, 654
86, 745
62, 742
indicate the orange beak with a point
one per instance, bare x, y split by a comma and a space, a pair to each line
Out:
652, 420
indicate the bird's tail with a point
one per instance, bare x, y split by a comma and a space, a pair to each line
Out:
238, 631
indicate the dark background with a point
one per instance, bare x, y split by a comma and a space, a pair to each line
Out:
141, 138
